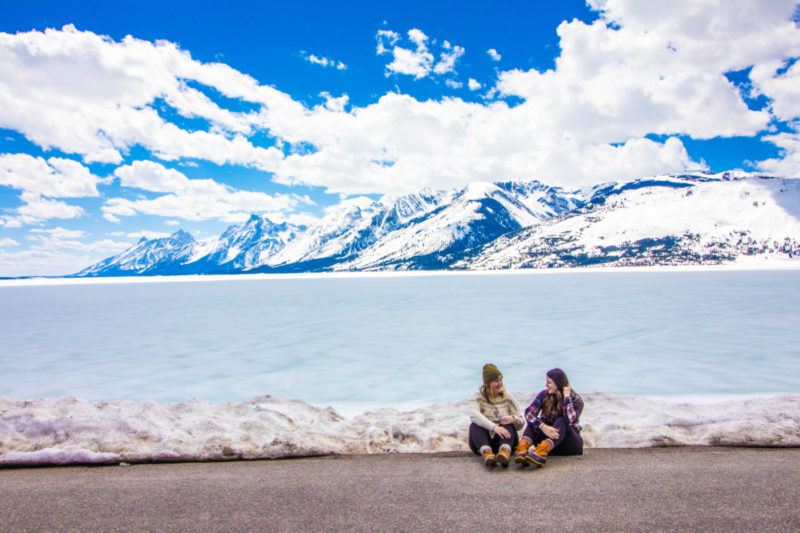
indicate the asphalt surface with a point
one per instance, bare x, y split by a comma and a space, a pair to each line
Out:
661, 489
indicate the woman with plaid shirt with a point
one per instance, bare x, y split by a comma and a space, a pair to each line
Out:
552, 422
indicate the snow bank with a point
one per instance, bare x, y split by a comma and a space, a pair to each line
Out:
69, 430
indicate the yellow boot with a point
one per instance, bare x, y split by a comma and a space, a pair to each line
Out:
520, 454
539, 455
488, 457
504, 455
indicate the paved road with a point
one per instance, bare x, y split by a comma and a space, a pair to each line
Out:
662, 489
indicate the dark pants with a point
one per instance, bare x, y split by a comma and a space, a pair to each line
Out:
479, 437
569, 441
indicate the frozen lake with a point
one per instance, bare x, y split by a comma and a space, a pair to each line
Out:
358, 341
104, 371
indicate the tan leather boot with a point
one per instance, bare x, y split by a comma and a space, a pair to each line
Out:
488, 457
504, 455
539, 455
520, 454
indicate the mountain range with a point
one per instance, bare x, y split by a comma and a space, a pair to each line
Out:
695, 218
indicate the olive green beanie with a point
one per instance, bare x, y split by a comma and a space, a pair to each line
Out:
490, 373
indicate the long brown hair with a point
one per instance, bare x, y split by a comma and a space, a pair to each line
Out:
552, 402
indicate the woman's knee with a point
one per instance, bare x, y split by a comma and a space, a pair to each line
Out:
571, 444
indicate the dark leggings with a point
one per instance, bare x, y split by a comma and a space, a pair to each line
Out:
479, 436
569, 441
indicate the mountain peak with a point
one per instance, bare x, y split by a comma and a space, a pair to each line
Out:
478, 190
182, 236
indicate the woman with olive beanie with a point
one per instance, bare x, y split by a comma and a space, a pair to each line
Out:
552, 422
495, 417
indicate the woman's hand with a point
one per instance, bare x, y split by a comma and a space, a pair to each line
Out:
506, 420
500, 430
567, 391
550, 431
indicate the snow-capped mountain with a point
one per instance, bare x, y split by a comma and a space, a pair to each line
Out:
154, 256
478, 214
665, 220
243, 247
355, 225
694, 218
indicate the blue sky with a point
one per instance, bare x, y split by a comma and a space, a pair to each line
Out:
130, 119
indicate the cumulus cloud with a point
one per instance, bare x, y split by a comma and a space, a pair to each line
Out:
57, 252
54, 177
59, 233
324, 61
87, 94
37, 209
386, 40
149, 235
642, 71
196, 199
617, 82
789, 163
418, 60
474, 84
778, 80
40, 180
448, 58
8, 242
334, 103
494, 55
41, 261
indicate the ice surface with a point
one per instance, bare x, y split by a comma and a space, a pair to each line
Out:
367, 341
406, 348
69, 430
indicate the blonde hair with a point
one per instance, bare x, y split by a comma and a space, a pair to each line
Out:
486, 391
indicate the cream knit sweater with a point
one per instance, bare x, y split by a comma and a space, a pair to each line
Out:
487, 413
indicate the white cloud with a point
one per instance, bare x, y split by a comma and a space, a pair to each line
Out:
673, 60
197, 199
788, 164
586, 120
612, 85
642, 69
54, 177
781, 85
335, 103
55, 253
417, 37
37, 209
59, 233
149, 235
448, 58
39, 261
324, 61
418, 61
89, 95
302, 219
445, 144
8, 242
386, 39
474, 84
155, 177
38, 179
493, 54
